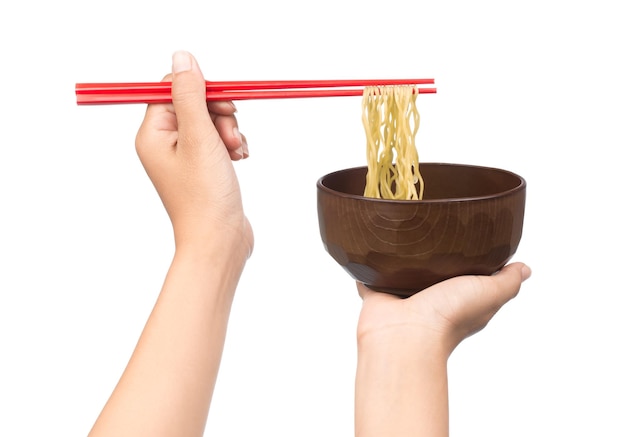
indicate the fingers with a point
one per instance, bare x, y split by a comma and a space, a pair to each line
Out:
234, 141
157, 135
471, 301
158, 117
221, 107
509, 280
189, 100
196, 117
506, 283
223, 116
451, 310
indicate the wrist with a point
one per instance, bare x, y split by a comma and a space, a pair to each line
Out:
215, 243
401, 385
217, 262
404, 340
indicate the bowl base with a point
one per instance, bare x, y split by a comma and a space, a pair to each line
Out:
400, 292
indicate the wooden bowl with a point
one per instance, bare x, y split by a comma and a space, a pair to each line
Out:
469, 223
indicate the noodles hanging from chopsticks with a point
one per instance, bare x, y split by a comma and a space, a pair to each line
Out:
391, 121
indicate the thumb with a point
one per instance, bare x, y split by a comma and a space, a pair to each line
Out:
189, 97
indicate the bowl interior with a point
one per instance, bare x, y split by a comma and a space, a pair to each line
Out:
442, 181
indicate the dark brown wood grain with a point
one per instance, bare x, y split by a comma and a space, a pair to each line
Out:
469, 222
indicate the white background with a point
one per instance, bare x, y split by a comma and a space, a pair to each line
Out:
536, 87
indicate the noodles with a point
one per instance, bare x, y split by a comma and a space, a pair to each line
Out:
391, 121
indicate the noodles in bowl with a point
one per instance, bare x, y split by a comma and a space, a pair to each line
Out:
468, 221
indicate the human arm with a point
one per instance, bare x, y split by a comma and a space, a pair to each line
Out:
186, 149
401, 384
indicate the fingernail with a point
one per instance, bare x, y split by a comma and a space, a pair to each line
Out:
181, 61
237, 135
526, 272
244, 146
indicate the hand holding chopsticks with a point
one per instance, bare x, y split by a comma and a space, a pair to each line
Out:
160, 92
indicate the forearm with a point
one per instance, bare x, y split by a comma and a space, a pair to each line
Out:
167, 386
401, 387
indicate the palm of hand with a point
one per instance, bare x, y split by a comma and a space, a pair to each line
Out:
193, 175
447, 312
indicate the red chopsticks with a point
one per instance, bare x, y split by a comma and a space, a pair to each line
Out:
160, 92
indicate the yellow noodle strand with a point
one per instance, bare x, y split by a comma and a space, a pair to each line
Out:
391, 121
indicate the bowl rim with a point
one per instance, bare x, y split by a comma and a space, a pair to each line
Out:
521, 186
